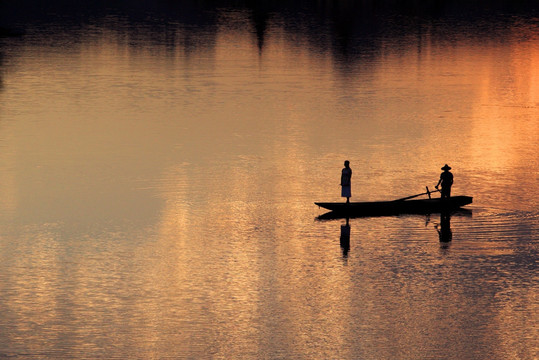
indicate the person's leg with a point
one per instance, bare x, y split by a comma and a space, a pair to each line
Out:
445, 193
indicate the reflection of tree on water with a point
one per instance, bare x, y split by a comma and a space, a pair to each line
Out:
259, 18
345, 238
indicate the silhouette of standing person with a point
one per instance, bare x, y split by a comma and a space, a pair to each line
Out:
446, 180
346, 184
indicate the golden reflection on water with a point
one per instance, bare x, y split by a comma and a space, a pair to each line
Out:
506, 109
165, 201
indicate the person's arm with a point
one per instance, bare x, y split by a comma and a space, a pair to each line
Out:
439, 182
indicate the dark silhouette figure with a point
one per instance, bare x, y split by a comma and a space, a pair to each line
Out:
346, 181
345, 238
444, 230
446, 180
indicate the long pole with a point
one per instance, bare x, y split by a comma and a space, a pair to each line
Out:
413, 196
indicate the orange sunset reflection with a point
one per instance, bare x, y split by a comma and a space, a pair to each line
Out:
507, 108
157, 190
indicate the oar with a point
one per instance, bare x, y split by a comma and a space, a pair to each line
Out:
413, 196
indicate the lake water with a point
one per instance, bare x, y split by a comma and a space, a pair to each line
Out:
158, 176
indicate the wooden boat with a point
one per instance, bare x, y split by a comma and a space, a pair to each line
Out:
395, 207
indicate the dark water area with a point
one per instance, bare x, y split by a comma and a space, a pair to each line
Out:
350, 30
343, 19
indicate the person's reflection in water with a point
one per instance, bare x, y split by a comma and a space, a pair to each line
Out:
444, 230
345, 238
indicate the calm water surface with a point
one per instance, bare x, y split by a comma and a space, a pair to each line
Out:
157, 187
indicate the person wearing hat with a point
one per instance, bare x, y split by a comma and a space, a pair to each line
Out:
446, 180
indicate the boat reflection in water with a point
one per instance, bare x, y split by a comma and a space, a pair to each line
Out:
445, 234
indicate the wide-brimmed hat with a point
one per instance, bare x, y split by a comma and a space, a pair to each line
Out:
446, 167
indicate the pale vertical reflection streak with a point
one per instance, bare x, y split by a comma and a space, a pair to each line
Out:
8, 181
505, 118
179, 307
511, 316
215, 283
315, 309
507, 106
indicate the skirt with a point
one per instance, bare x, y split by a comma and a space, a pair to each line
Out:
346, 191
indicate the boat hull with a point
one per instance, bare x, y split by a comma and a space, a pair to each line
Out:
377, 208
